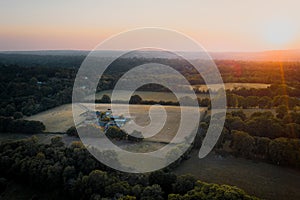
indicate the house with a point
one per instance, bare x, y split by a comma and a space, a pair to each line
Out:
107, 119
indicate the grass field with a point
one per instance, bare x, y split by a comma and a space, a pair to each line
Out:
230, 86
59, 119
149, 96
260, 179
164, 96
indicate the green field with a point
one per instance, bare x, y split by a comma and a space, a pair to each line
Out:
260, 179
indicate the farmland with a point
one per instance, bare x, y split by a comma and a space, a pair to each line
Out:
164, 96
261, 179
59, 119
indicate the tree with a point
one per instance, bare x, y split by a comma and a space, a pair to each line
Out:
265, 125
242, 102
33, 126
277, 151
135, 99
184, 183
69, 173
239, 114
137, 190
252, 101
242, 143
72, 131
152, 192
33, 81
57, 141
175, 197
232, 100
262, 146
234, 123
121, 187
18, 115
204, 102
115, 133
10, 125
164, 180
105, 99
127, 197
292, 130
97, 180
9, 110
47, 103
264, 102
281, 111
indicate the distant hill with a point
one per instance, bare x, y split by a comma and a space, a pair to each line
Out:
275, 55
48, 53
74, 58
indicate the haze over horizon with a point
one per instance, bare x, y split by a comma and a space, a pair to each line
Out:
220, 26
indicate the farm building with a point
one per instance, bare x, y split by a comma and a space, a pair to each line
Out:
107, 119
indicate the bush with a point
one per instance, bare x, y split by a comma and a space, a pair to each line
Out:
18, 115
72, 131
115, 133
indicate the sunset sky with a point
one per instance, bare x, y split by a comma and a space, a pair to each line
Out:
218, 25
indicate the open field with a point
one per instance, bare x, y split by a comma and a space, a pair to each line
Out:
164, 96
59, 119
154, 96
261, 179
231, 86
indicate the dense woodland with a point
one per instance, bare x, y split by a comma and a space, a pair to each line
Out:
27, 90
260, 137
31, 84
71, 172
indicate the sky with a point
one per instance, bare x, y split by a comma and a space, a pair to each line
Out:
218, 25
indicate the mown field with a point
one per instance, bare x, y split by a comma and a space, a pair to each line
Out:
59, 119
231, 86
260, 179
164, 96
148, 96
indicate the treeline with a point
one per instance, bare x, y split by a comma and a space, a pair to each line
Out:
265, 124
259, 72
236, 101
233, 101
72, 173
271, 91
34, 89
231, 70
136, 99
280, 151
279, 74
28, 89
261, 136
9, 125
48, 61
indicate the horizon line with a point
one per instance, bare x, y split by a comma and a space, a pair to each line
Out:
86, 50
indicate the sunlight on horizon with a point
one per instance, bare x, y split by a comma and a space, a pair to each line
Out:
217, 25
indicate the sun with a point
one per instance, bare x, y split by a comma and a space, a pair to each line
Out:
279, 32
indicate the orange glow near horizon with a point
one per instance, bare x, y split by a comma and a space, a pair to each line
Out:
216, 25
